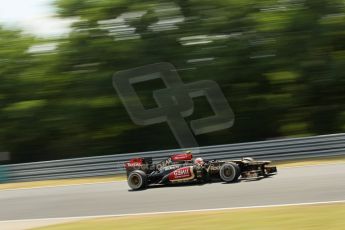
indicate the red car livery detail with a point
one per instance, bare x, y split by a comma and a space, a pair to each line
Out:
182, 174
182, 157
135, 162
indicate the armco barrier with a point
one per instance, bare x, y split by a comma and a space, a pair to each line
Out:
3, 174
282, 149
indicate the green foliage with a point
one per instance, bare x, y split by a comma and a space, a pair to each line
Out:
279, 63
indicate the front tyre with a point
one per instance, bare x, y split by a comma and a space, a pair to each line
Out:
229, 172
137, 180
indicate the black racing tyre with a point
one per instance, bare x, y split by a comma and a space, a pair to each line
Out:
229, 172
137, 180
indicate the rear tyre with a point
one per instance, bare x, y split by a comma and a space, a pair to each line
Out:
137, 180
229, 172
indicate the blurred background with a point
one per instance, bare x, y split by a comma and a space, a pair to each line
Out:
280, 63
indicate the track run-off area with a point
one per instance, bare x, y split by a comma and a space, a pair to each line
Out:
309, 184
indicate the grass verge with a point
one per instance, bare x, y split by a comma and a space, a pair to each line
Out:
316, 217
315, 161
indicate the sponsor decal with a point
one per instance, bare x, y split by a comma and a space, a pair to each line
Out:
214, 168
163, 164
135, 164
182, 157
168, 168
182, 173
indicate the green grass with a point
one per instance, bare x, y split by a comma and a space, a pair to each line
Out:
315, 217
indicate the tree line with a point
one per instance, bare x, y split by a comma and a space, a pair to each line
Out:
280, 65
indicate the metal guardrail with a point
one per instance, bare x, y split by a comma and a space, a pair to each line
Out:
282, 149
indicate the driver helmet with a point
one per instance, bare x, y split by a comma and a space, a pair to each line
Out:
199, 161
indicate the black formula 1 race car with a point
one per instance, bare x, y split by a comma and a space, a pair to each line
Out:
181, 168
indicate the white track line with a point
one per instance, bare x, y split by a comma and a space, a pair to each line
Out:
174, 212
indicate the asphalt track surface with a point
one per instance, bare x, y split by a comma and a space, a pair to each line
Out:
292, 185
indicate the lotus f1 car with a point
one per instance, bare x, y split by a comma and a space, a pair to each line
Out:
180, 168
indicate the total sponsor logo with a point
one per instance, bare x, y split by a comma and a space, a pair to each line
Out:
180, 173
135, 164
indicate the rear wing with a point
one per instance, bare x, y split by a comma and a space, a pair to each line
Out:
142, 163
